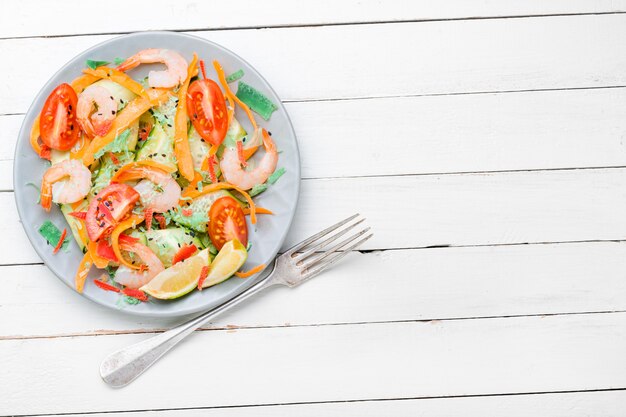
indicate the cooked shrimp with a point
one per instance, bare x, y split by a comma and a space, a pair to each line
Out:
158, 191
176, 67
235, 174
158, 196
133, 278
66, 182
99, 122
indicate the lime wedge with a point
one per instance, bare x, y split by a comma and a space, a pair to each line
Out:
229, 259
178, 279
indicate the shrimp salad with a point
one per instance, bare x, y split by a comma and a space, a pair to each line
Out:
154, 176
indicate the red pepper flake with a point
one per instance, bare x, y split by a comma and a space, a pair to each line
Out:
161, 219
138, 294
148, 216
184, 253
212, 169
242, 158
81, 215
203, 274
144, 132
186, 212
105, 286
114, 158
127, 239
45, 152
202, 69
60, 243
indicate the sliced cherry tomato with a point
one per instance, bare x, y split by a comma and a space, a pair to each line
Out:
206, 107
104, 250
227, 222
108, 207
57, 121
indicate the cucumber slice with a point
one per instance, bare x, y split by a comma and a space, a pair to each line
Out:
76, 226
159, 147
256, 100
121, 94
235, 133
198, 147
166, 242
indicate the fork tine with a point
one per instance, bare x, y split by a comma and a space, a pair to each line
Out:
322, 255
318, 246
310, 273
316, 236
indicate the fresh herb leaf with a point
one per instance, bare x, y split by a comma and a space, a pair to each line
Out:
52, 234
111, 271
234, 76
118, 60
256, 100
257, 189
95, 64
130, 300
119, 144
276, 175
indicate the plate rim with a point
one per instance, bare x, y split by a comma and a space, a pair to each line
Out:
161, 314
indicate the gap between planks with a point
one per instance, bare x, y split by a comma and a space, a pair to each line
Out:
281, 406
232, 327
317, 25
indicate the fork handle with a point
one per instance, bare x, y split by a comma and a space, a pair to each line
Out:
122, 367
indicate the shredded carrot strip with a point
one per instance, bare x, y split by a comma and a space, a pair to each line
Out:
118, 77
136, 170
77, 152
98, 260
258, 210
34, 137
126, 117
250, 272
79, 84
229, 94
133, 220
60, 242
181, 139
193, 185
82, 272
225, 185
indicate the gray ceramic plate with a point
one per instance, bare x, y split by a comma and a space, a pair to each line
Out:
266, 236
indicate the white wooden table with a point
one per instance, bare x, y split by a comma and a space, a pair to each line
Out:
484, 140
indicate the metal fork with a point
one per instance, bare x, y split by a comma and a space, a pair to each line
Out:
299, 264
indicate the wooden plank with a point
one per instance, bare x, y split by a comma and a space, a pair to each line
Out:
373, 287
435, 210
510, 131
34, 18
324, 363
579, 404
383, 59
